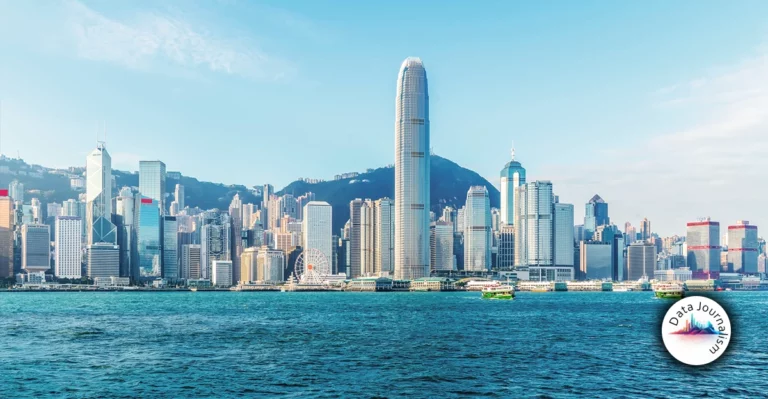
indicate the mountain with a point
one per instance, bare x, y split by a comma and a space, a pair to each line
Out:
449, 185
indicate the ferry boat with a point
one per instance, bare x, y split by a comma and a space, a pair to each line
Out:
672, 291
499, 292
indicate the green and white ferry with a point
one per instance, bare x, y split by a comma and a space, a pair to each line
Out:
669, 291
499, 292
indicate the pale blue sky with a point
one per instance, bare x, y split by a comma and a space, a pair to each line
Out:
660, 107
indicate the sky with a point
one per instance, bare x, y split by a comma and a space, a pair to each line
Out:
660, 107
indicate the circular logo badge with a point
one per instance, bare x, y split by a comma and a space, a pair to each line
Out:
696, 330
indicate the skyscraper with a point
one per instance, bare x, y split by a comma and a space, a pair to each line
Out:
512, 176
383, 236
534, 227
148, 239
68, 253
152, 182
178, 196
170, 248
99, 197
6, 234
477, 230
35, 247
641, 261
190, 261
563, 234
236, 243
645, 229
355, 237
596, 214
742, 248
317, 228
703, 242
442, 246
412, 172
16, 191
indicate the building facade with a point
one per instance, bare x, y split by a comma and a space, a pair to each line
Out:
317, 228
412, 172
477, 230
170, 248
703, 242
641, 261
35, 247
742, 248
99, 197
152, 182
512, 176
68, 254
534, 227
6, 234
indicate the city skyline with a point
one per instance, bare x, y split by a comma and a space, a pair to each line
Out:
628, 156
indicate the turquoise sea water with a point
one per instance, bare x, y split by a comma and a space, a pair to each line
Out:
255, 344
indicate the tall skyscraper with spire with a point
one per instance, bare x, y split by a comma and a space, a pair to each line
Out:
98, 196
412, 251
512, 176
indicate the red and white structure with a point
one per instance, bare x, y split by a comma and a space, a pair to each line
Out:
703, 241
742, 248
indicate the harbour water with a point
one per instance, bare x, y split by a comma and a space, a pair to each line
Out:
453, 344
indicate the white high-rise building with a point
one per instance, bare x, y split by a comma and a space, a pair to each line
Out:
152, 182
412, 172
477, 230
191, 261
383, 236
68, 252
317, 228
99, 197
16, 191
248, 215
534, 227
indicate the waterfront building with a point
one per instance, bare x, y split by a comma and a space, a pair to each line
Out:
99, 197
547, 273
596, 261
641, 261
356, 236
148, 233
512, 176
248, 265
16, 191
178, 196
103, 260
152, 182
477, 230
534, 224
35, 247
412, 172
221, 273
214, 240
270, 265
6, 235
191, 261
506, 253
742, 248
170, 248
681, 274
317, 228
703, 242
562, 235
596, 214
68, 254
441, 243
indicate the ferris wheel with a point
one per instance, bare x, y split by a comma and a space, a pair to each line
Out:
312, 267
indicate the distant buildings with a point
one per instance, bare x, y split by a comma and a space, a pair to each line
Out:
99, 197
170, 269
441, 246
16, 191
596, 261
191, 261
412, 173
148, 240
221, 273
645, 229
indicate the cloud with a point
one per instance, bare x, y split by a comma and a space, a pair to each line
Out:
714, 165
152, 41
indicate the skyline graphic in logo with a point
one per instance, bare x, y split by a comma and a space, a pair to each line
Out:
695, 327
696, 330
